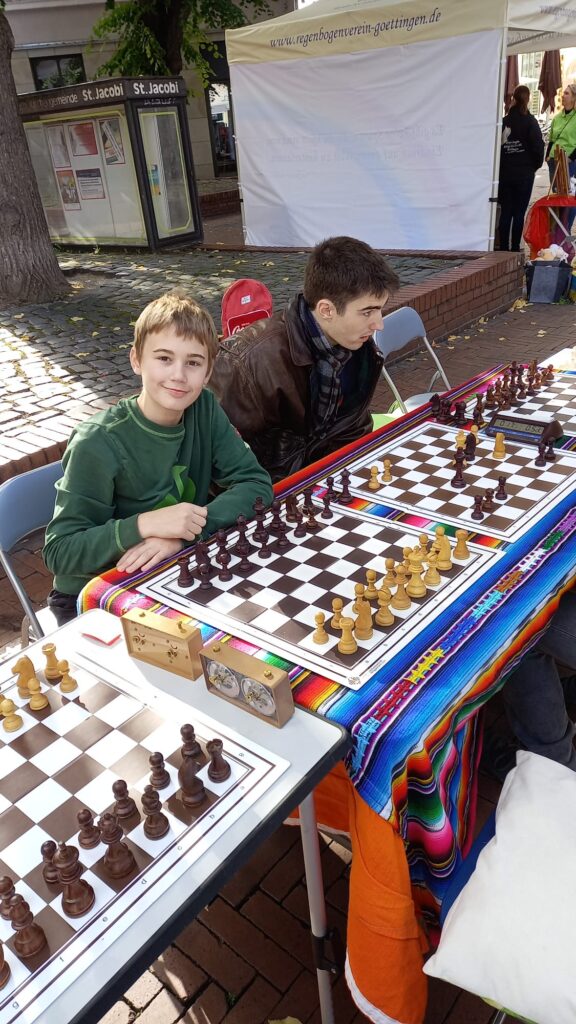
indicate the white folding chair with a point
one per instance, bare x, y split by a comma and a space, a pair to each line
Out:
400, 328
27, 505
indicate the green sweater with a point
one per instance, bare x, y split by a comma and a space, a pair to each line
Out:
119, 464
563, 132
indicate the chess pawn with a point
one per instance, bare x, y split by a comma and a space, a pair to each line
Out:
499, 447
118, 860
38, 700
337, 605
401, 600
432, 577
160, 776
373, 483
540, 459
25, 670
363, 624
12, 722
347, 643
423, 540
460, 439
501, 493
51, 671
49, 871
488, 503
68, 684
77, 894
387, 474
359, 590
416, 587
320, 636
124, 806
7, 891
389, 579
4, 968
89, 834
406, 552
190, 747
461, 551
443, 549
371, 593
384, 617
477, 513
156, 824
219, 769
29, 938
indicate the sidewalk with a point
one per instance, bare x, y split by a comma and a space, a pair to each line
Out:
247, 958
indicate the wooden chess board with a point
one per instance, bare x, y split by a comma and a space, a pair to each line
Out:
273, 603
66, 758
422, 469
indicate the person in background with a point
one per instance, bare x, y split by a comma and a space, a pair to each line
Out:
521, 155
563, 134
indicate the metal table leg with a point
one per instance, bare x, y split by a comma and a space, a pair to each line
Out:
315, 887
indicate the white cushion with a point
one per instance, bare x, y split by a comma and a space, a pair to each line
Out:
510, 935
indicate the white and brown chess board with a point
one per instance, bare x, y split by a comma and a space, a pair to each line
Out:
65, 758
555, 400
422, 468
273, 602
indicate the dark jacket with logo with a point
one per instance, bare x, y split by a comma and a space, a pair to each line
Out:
522, 150
262, 379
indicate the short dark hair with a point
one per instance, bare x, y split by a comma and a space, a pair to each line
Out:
342, 269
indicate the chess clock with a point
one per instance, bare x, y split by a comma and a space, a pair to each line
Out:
247, 682
524, 429
172, 644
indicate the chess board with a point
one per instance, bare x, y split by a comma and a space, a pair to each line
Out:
554, 401
65, 758
273, 604
422, 469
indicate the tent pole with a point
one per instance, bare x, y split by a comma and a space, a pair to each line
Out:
237, 148
497, 140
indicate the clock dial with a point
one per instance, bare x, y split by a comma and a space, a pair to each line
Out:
258, 697
223, 679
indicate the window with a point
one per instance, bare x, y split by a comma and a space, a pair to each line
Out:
51, 72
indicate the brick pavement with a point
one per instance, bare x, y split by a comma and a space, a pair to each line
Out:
246, 959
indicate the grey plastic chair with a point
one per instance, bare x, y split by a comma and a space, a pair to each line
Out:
26, 505
400, 328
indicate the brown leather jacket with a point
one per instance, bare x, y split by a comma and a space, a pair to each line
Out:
262, 379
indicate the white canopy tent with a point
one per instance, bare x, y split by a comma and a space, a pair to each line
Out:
380, 118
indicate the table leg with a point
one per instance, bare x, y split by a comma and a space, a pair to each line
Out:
315, 887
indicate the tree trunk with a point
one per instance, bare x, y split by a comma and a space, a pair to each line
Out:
29, 270
168, 27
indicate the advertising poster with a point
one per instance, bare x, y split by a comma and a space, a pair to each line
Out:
83, 139
90, 184
58, 145
111, 135
68, 190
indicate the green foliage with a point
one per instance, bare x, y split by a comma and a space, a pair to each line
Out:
159, 37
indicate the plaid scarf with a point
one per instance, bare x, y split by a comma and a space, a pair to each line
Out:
325, 385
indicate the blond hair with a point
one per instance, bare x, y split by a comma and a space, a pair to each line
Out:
178, 310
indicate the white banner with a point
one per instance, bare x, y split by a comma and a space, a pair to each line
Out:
394, 147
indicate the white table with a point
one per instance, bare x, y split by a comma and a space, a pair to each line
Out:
310, 744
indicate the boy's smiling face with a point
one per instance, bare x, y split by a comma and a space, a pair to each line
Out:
173, 370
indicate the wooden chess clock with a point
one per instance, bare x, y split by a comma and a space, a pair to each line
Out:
247, 682
172, 644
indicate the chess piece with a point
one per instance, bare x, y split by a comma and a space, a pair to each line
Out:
423, 541
458, 481
337, 605
549, 374
204, 572
331, 490
416, 587
320, 636
435, 406
222, 541
327, 512
185, 574
401, 600
4, 968
490, 399
291, 506
51, 671
347, 643
265, 551
460, 439
282, 541
501, 493
160, 776
370, 592
499, 447
49, 871
307, 504
29, 938
118, 860
470, 445
550, 453
387, 474
124, 806
390, 578
38, 700
459, 413
461, 551
275, 521
25, 670
373, 483
443, 550
312, 525
359, 590
345, 496
224, 574
156, 824
219, 769
363, 622
477, 513
540, 460
12, 722
488, 501
300, 529
191, 747
89, 834
67, 684
77, 894
192, 788
406, 562
7, 891
384, 617
432, 577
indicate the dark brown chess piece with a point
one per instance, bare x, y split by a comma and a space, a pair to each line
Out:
7, 891
89, 835
550, 453
224, 575
204, 572
345, 496
458, 479
549, 374
219, 769
156, 823
185, 574
49, 871
470, 447
540, 459
124, 806
193, 792
291, 506
29, 938
4, 968
330, 489
160, 776
190, 743
77, 895
459, 413
501, 493
435, 406
490, 399
477, 512
488, 501
308, 503
312, 525
275, 522
264, 551
300, 529
222, 541
282, 541
326, 511
118, 860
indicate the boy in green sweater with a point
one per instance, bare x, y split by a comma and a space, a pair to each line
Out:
137, 477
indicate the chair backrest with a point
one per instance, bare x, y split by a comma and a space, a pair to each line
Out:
244, 302
398, 330
26, 505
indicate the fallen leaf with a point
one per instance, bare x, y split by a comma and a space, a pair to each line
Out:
501, 339
453, 337
285, 1020
268, 263
95, 334
74, 319
541, 334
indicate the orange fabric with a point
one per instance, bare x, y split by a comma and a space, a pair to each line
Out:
385, 942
